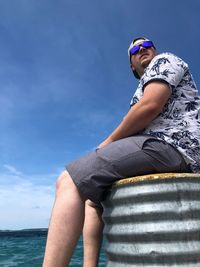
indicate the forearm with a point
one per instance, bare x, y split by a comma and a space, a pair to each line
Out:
139, 117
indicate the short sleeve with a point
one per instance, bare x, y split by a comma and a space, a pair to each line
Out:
165, 67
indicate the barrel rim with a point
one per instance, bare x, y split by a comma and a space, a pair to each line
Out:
155, 176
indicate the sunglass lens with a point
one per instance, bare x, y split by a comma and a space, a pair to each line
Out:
147, 44
134, 50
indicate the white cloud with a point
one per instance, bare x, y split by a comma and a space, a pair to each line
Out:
12, 169
23, 203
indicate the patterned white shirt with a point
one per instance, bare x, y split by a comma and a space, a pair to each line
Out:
179, 122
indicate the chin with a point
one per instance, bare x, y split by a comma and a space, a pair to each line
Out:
145, 62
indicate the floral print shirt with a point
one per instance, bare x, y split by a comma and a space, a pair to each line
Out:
179, 122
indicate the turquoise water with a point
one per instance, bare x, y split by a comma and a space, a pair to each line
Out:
28, 250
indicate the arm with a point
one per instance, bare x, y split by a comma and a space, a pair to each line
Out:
156, 95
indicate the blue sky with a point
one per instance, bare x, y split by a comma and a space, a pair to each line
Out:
65, 84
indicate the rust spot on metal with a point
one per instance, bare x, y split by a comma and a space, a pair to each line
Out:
156, 176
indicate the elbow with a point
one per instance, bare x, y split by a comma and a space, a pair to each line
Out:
155, 109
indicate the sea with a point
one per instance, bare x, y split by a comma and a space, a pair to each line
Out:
25, 248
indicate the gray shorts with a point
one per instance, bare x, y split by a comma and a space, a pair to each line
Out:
94, 173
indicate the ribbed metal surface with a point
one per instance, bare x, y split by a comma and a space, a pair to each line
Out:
153, 220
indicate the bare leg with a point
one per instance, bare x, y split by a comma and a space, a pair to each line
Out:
92, 234
66, 223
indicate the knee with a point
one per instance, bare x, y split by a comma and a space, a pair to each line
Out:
64, 182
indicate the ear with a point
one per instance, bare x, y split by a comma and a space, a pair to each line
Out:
131, 66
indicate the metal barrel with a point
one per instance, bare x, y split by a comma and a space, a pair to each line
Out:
153, 220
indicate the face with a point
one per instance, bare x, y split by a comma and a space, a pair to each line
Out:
141, 59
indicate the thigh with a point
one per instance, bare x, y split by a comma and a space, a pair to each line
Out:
137, 155
128, 157
165, 157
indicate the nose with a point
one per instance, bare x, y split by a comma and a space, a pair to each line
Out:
142, 48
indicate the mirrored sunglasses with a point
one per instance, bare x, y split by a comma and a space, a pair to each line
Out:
136, 48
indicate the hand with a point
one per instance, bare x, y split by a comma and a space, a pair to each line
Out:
104, 143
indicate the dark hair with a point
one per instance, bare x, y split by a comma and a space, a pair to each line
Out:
136, 74
138, 38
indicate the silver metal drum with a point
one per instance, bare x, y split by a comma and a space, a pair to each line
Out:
153, 220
